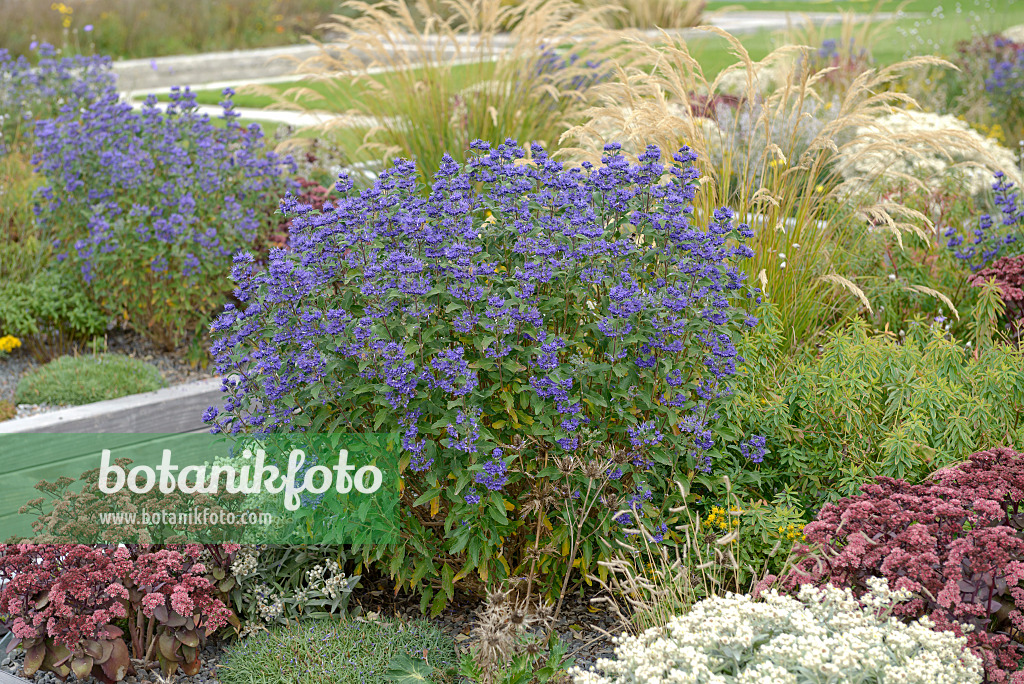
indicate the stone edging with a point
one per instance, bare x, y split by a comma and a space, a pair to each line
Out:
171, 410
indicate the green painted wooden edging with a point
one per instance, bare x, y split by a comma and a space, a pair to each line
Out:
29, 458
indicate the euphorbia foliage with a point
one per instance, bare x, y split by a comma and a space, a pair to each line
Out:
511, 327
61, 600
956, 542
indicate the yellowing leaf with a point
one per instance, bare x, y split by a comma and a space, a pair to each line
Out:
435, 506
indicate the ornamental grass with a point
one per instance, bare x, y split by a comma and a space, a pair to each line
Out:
456, 72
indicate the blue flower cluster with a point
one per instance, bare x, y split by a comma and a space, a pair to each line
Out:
994, 237
161, 197
514, 297
552, 62
39, 88
1007, 69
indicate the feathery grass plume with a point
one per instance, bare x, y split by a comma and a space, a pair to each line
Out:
650, 14
433, 76
648, 582
778, 150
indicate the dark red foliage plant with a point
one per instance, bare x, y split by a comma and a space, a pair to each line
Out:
1008, 274
64, 604
956, 541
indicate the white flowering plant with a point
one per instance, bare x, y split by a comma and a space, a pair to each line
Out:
277, 584
933, 148
822, 635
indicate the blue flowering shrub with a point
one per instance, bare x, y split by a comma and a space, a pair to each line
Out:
148, 207
994, 237
40, 87
528, 333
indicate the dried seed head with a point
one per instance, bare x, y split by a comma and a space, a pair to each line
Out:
595, 470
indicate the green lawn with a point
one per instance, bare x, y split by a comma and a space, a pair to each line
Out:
932, 32
338, 95
935, 32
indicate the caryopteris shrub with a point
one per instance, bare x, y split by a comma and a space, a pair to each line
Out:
38, 88
532, 336
956, 542
147, 208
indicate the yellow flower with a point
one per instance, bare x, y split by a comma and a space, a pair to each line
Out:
9, 343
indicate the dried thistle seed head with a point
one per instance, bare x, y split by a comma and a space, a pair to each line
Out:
619, 456
566, 465
534, 647
596, 469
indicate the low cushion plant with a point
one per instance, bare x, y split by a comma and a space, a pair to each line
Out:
956, 543
84, 379
345, 652
823, 635
534, 336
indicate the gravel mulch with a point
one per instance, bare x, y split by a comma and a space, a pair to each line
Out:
175, 369
586, 634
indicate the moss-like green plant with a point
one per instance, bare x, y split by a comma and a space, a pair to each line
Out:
85, 379
329, 652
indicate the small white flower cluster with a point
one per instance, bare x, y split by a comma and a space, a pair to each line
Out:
245, 562
269, 604
333, 585
823, 635
876, 155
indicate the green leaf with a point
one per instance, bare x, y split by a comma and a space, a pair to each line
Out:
406, 670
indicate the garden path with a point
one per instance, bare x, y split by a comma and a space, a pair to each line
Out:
275, 65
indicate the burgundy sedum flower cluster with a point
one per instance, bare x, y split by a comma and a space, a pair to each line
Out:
61, 602
957, 542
